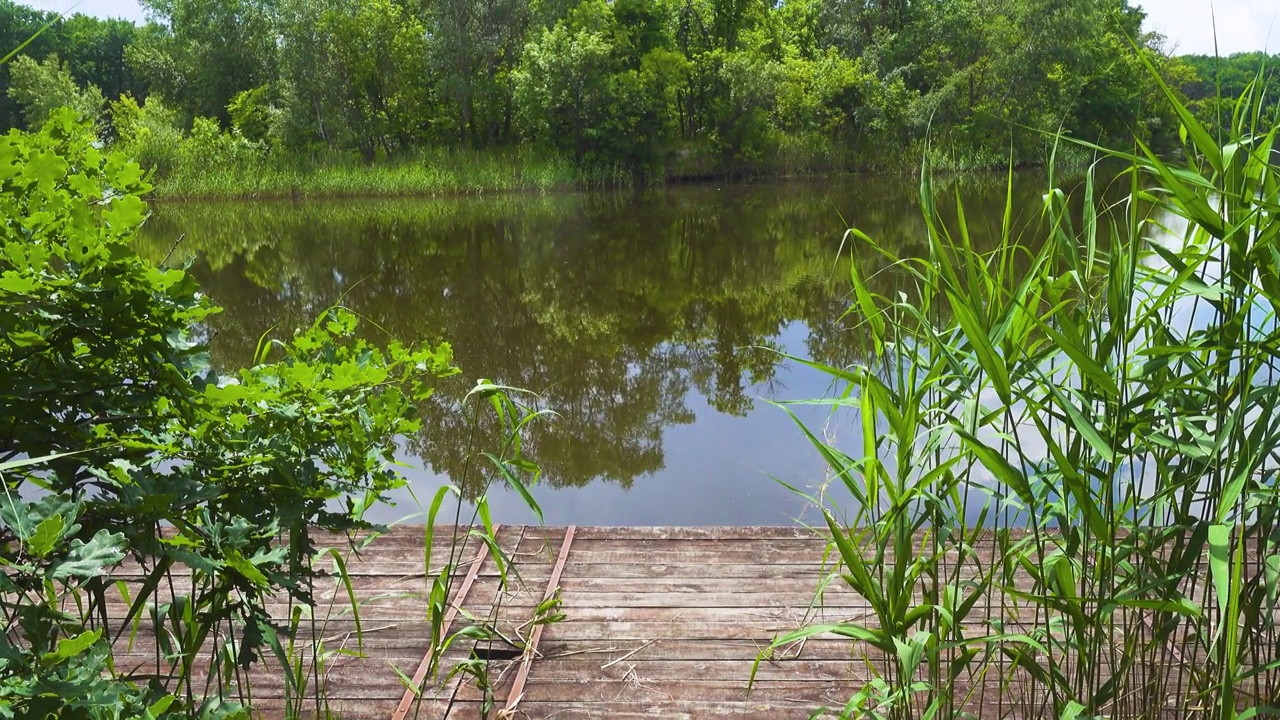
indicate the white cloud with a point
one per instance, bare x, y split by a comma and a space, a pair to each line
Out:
1242, 25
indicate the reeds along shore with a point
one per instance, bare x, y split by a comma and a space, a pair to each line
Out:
1101, 398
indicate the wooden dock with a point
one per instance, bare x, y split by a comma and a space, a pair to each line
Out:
657, 622
651, 622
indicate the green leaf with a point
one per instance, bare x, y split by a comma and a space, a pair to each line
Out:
45, 167
92, 559
980, 341
72, 647
158, 708
865, 585
515, 484
125, 213
236, 561
27, 462
1220, 566
1072, 710
13, 283
26, 338
999, 466
1085, 427
46, 536
1181, 606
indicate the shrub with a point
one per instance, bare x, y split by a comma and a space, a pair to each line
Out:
42, 87
113, 426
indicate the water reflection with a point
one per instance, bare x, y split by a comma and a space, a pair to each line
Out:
644, 320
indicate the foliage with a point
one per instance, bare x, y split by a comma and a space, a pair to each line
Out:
252, 114
42, 87
120, 442
1067, 478
147, 133
658, 88
92, 49
206, 52
1218, 81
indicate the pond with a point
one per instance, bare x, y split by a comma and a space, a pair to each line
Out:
654, 324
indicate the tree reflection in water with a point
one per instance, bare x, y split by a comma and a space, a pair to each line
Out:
613, 308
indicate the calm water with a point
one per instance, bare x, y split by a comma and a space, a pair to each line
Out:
639, 318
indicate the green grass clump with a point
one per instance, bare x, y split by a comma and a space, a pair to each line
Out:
427, 173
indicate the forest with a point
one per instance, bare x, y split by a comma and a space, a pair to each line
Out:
581, 92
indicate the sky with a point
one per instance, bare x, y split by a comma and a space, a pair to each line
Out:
1242, 25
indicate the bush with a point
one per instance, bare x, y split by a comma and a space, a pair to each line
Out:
42, 87
113, 426
147, 133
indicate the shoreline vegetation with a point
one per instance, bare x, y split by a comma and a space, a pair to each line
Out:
225, 99
459, 173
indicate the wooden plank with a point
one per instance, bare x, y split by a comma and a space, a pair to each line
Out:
724, 532
603, 651
637, 551
638, 687
706, 582
782, 597
678, 616
354, 706
719, 629
531, 649
658, 707
809, 569
629, 567
675, 671
420, 674
358, 708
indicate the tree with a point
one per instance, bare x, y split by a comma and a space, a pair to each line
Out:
42, 87
92, 49
199, 54
563, 87
476, 46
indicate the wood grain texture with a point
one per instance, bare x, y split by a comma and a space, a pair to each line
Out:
659, 622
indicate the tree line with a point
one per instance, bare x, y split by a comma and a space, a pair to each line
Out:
678, 87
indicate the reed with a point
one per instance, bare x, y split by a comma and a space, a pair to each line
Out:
1064, 500
427, 173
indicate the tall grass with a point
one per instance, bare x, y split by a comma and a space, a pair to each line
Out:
1064, 503
428, 173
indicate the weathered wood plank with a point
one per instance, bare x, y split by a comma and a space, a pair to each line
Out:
658, 707
676, 671
605, 651
659, 622
573, 601
531, 649
762, 630
749, 532
641, 688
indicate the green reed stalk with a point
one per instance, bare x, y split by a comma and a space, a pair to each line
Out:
1102, 396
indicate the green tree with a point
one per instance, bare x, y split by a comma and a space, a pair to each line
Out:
378, 64
476, 46
1213, 84
563, 87
199, 54
92, 49
39, 88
